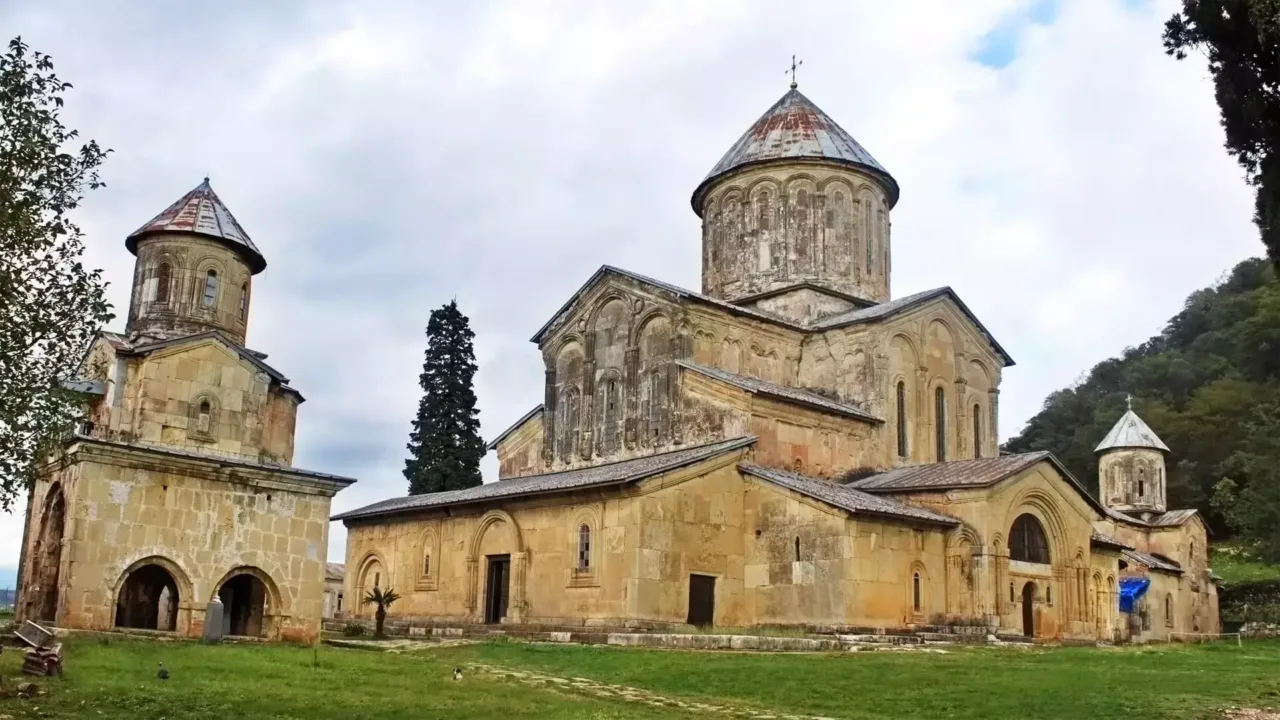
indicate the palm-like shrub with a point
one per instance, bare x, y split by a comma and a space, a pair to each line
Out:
383, 599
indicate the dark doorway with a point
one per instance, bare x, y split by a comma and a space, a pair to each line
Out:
48, 557
497, 588
702, 600
244, 605
1028, 609
148, 600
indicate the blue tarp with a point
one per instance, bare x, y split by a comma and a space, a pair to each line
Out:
1130, 590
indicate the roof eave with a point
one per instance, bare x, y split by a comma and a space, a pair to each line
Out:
885, 179
254, 259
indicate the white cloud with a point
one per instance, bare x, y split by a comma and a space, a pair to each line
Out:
388, 156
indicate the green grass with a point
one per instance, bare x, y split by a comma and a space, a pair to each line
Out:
1235, 565
276, 682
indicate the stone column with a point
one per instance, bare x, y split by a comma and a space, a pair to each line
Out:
473, 581
516, 607
631, 409
549, 417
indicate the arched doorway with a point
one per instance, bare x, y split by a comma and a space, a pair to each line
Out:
372, 575
148, 600
244, 605
1028, 609
48, 556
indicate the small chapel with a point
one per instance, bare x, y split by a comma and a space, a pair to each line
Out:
788, 446
179, 490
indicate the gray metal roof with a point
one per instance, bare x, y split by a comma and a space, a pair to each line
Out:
1151, 561
947, 475
1130, 432
614, 473
243, 461
513, 427
674, 290
1173, 518
202, 212
790, 394
795, 128
1108, 541
845, 497
334, 571
858, 316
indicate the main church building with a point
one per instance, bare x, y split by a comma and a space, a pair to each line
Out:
789, 446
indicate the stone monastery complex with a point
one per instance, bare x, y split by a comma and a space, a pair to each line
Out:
791, 446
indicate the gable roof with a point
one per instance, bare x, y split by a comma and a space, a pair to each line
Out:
795, 128
963, 474
1131, 432
1173, 518
782, 392
673, 289
857, 316
1151, 561
202, 212
123, 346
514, 426
614, 473
1107, 541
845, 497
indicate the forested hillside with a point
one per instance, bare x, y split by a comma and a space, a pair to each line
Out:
1209, 385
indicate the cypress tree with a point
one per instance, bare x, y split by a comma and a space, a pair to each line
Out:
445, 446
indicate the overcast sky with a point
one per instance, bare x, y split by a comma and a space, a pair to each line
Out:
1057, 169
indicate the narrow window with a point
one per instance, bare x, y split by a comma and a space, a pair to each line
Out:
202, 423
977, 431
210, 289
915, 591
1142, 489
940, 423
1192, 554
1048, 594
426, 564
339, 602
866, 233
1012, 598
797, 549
1168, 610
244, 301
902, 419
764, 211
162, 283
584, 547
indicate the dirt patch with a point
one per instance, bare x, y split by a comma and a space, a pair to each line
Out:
1250, 714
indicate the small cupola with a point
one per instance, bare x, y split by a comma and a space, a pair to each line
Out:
1131, 467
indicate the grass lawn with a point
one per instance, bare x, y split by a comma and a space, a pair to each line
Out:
1235, 565
251, 681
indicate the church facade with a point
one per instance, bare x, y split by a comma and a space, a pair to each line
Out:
179, 488
789, 446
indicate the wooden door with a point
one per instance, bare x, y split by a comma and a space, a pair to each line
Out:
702, 600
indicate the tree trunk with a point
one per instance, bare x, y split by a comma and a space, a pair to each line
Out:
380, 617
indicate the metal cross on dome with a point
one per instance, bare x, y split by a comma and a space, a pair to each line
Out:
794, 65
1128, 400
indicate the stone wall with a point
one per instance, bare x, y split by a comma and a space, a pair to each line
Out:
201, 522
1131, 480
174, 295
781, 224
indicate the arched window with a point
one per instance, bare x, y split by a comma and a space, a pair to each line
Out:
1168, 609
202, 419
763, 203
163, 274
915, 592
1027, 541
1048, 594
1142, 488
210, 289
977, 431
426, 563
244, 301
377, 580
902, 419
1012, 597
797, 548
584, 547
866, 233
940, 423
1192, 554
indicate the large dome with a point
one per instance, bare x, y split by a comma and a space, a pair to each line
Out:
202, 212
796, 129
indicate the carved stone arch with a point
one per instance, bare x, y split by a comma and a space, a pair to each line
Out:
997, 544
732, 193
202, 268
980, 366
606, 297
569, 338
774, 187
277, 602
1044, 507
912, 344
186, 590
274, 607
590, 517
962, 545
918, 590
838, 180
202, 425
642, 322
519, 563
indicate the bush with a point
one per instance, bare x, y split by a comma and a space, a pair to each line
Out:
1256, 601
353, 630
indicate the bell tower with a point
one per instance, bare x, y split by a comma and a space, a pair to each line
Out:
1131, 472
194, 270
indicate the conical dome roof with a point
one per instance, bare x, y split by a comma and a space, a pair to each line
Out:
1131, 432
795, 128
201, 212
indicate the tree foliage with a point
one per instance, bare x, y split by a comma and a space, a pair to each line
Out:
382, 600
1241, 39
50, 305
1209, 385
445, 448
